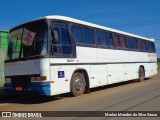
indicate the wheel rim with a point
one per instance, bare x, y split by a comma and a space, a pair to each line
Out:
79, 84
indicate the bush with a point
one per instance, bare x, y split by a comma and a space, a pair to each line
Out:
158, 62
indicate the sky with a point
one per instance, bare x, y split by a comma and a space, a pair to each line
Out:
141, 17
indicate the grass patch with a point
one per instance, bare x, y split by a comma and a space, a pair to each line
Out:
158, 62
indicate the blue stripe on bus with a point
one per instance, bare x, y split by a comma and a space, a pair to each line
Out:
42, 88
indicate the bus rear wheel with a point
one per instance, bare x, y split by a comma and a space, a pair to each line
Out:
141, 74
78, 84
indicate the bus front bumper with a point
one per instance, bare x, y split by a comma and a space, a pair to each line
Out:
41, 88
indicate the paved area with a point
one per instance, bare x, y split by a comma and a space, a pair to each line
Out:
128, 96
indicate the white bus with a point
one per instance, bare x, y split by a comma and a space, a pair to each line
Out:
55, 54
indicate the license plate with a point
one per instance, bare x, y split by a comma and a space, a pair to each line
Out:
19, 88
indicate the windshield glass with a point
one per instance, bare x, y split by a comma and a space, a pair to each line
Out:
28, 40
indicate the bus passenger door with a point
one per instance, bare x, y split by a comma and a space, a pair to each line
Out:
62, 52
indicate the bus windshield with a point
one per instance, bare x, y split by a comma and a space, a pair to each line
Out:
28, 40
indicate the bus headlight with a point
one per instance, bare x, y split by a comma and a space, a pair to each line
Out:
8, 80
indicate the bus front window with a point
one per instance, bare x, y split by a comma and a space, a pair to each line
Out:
28, 40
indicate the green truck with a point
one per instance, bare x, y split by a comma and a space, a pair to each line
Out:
3, 48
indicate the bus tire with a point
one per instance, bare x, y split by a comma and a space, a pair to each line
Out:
141, 74
78, 84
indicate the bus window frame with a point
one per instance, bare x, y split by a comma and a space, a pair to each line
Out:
82, 44
31, 57
73, 47
121, 47
136, 41
102, 46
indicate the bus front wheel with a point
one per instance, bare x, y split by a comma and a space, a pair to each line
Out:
78, 84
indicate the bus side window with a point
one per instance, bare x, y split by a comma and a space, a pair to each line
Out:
83, 35
60, 42
123, 41
150, 46
104, 38
153, 46
109, 39
101, 38
143, 45
88, 34
116, 40
77, 33
132, 43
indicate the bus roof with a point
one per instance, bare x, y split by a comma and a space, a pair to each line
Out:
69, 19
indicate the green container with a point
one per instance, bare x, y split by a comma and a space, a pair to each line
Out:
3, 39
